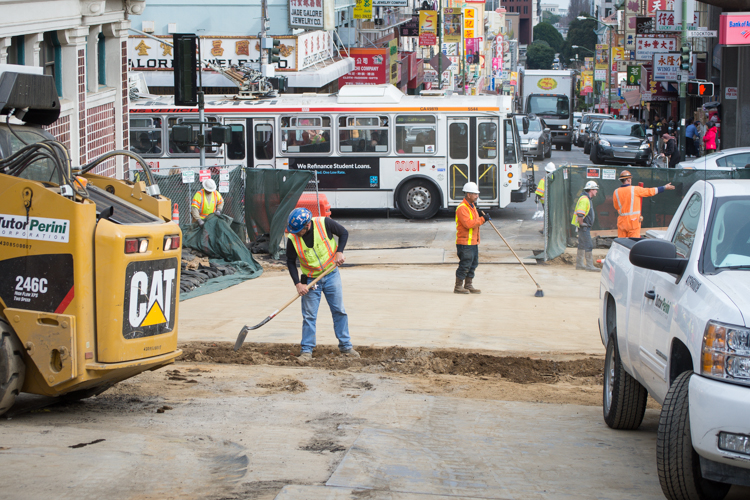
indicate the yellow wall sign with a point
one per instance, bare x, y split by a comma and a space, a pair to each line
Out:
547, 84
363, 9
470, 20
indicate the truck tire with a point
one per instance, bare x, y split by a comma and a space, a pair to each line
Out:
586, 147
676, 461
568, 147
419, 199
594, 157
12, 367
623, 398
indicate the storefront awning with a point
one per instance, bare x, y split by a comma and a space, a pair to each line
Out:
633, 98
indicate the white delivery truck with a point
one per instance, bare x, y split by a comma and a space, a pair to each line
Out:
549, 95
675, 319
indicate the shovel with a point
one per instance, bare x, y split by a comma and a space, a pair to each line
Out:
539, 291
245, 329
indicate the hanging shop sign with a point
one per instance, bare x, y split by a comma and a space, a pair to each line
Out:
362, 9
647, 46
470, 26
428, 26
306, 14
734, 29
644, 25
411, 27
654, 6
634, 75
667, 21
390, 3
602, 56
371, 66
588, 82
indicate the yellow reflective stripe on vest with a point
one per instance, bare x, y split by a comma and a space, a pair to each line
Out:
206, 204
316, 260
471, 216
632, 202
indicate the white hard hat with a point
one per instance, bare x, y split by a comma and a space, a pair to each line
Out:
591, 185
471, 187
549, 168
209, 185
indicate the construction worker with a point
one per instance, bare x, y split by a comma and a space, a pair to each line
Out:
583, 219
549, 168
311, 239
468, 221
206, 201
627, 202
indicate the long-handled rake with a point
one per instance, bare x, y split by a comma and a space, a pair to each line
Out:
245, 329
539, 292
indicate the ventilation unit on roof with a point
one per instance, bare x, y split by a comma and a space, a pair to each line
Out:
369, 94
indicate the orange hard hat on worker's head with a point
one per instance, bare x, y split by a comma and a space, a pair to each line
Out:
625, 174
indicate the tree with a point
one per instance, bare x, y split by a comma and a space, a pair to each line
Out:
539, 56
576, 8
580, 33
549, 17
548, 33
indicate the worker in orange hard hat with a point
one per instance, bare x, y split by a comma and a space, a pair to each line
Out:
627, 201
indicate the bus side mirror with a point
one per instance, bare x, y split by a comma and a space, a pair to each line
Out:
525, 124
221, 134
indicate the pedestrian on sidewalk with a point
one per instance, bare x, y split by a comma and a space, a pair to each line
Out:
709, 138
312, 240
206, 202
691, 131
627, 202
671, 152
583, 219
468, 220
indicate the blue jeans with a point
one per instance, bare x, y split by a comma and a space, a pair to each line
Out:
331, 287
468, 260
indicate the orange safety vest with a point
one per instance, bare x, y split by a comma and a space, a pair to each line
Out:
467, 224
316, 260
627, 202
206, 203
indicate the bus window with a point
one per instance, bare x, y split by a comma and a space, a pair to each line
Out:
236, 148
510, 144
415, 134
360, 134
487, 133
459, 141
305, 134
145, 136
264, 141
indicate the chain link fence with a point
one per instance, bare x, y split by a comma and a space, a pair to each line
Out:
565, 186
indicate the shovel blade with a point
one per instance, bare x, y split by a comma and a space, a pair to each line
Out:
241, 338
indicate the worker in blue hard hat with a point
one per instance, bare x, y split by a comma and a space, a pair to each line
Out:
312, 240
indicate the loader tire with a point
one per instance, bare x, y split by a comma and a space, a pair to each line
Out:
12, 367
624, 398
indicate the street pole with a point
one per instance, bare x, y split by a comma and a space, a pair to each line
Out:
609, 74
683, 84
440, 47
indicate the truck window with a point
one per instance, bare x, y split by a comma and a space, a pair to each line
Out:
684, 236
556, 106
729, 242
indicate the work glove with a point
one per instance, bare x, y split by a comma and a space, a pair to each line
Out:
487, 217
218, 212
201, 222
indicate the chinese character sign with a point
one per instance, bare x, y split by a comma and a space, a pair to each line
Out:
362, 9
634, 75
647, 46
470, 20
370, 67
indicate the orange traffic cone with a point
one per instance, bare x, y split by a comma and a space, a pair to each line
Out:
176, 215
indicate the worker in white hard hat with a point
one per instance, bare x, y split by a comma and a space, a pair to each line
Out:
549, 168
206, 201
468, 220
583, 219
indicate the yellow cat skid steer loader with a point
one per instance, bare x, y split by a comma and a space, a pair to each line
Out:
89, 265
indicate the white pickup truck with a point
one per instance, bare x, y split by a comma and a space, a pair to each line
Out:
675, 319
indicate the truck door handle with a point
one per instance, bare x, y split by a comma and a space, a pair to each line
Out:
650, 295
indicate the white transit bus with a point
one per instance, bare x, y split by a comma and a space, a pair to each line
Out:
372, 146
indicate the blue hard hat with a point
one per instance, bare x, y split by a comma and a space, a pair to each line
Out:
298, 219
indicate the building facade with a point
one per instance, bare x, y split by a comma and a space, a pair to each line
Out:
81, 43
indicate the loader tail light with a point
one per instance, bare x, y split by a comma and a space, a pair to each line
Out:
171, 242
136, 245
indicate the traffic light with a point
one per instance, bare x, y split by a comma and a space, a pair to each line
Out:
702, 89
685, 58
273, 50
185, 69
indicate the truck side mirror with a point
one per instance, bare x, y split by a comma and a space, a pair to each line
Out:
657, 255
525, 124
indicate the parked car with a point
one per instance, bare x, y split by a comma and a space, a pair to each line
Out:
583, 128
721, 160
538, 141
675, 321
576, 125
619, 141
590, 134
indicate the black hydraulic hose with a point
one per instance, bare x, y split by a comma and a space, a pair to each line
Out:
138, 158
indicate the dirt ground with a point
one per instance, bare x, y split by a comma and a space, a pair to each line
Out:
556, 378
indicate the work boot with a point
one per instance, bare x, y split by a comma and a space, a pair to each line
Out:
304, 358
580, 265
590, 263
468, 286
460, 286
350, 353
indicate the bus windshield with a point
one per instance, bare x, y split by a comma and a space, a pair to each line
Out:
549, 106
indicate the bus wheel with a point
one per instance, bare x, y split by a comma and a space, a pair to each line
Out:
418, 199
